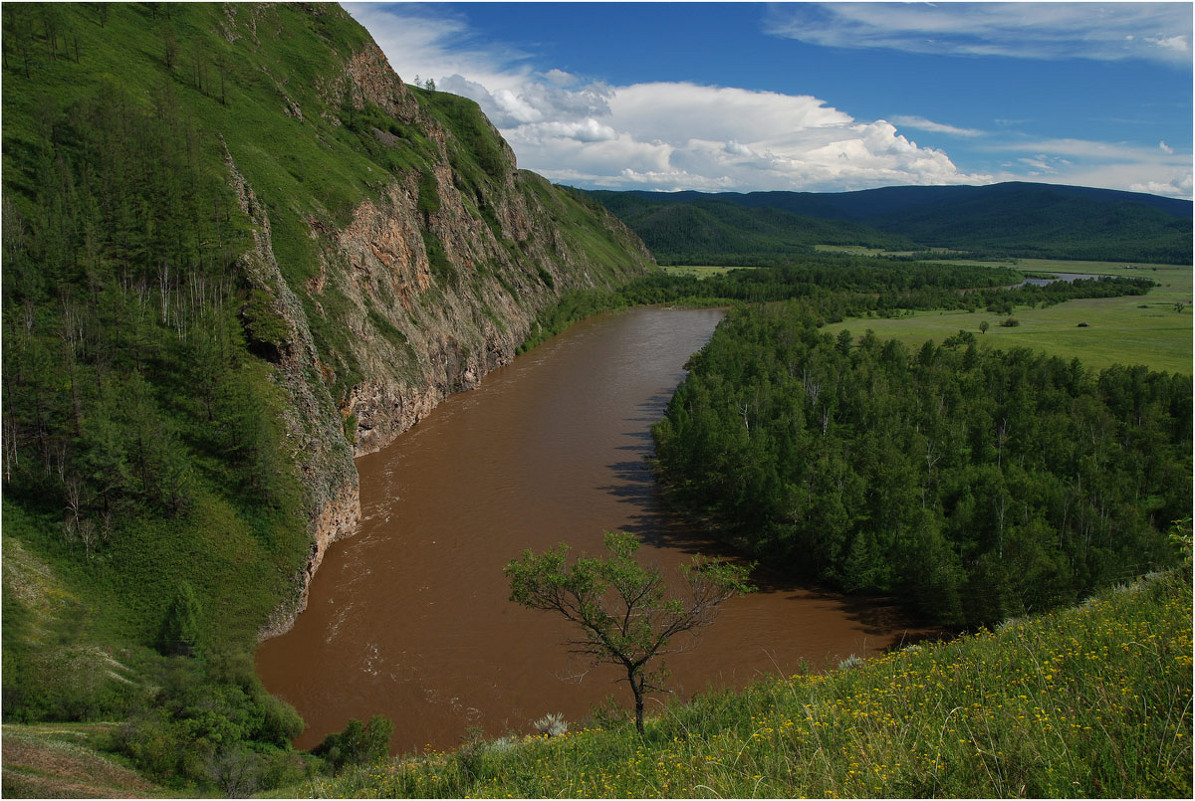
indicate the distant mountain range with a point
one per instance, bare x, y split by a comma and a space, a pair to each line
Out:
1000, 220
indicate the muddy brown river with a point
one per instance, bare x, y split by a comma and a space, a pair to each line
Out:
409, 618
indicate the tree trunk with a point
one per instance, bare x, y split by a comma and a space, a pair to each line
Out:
637, 681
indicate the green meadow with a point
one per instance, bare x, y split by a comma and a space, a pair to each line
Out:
699, 270
1154, 330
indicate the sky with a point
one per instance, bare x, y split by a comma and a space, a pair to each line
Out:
818, 97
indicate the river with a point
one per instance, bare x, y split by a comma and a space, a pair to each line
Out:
1069, 278
409, 618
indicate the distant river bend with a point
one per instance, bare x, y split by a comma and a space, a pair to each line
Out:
410, 618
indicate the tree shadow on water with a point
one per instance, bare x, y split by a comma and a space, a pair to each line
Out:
634, 482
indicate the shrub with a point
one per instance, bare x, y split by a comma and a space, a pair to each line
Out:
181, 628
236, 772
358, 744
429, 196
209, 725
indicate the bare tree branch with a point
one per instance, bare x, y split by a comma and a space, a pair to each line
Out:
625, 611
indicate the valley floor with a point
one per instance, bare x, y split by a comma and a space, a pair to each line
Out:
1154, 330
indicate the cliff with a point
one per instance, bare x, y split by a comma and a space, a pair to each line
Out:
436, 278
444, 266
248, 252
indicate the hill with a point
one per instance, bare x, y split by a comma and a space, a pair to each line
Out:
1001, 220
692, 228
238, 251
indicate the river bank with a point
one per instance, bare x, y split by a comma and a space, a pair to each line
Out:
410, 618
1033, 709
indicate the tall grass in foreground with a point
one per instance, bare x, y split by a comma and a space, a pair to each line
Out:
1093, 701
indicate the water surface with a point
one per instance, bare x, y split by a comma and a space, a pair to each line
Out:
410, 618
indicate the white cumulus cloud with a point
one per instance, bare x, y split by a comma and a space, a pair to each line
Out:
683, 135
1107, 164
738, 149
664, 135
588, 130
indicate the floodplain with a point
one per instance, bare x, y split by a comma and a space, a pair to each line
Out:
1154, 330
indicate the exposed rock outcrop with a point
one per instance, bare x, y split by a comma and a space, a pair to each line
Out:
319, 446
436, 279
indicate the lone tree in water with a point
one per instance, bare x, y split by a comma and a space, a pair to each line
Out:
626, 613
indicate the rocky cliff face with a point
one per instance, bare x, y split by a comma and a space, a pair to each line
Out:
250, 253
434, 280
312, 423
419, 335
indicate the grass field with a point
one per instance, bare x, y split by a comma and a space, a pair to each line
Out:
1146, 330
699, 270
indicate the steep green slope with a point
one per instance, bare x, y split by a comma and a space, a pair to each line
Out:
237, 251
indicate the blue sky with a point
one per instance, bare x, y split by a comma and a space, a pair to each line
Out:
816, 96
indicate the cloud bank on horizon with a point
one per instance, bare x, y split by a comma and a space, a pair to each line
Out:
592, 130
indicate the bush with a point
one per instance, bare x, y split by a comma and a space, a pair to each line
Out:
358, 744
429, 197
181, 628
209, 725
236, 772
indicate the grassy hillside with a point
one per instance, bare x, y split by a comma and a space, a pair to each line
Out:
143, 442
62, 761
1092, 702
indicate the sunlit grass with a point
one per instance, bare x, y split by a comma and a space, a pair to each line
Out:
1154, 330
62, 760
1087, 702
699, 270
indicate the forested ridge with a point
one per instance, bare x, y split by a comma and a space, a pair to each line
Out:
715, 230
973, 482
997, 221
138, 405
